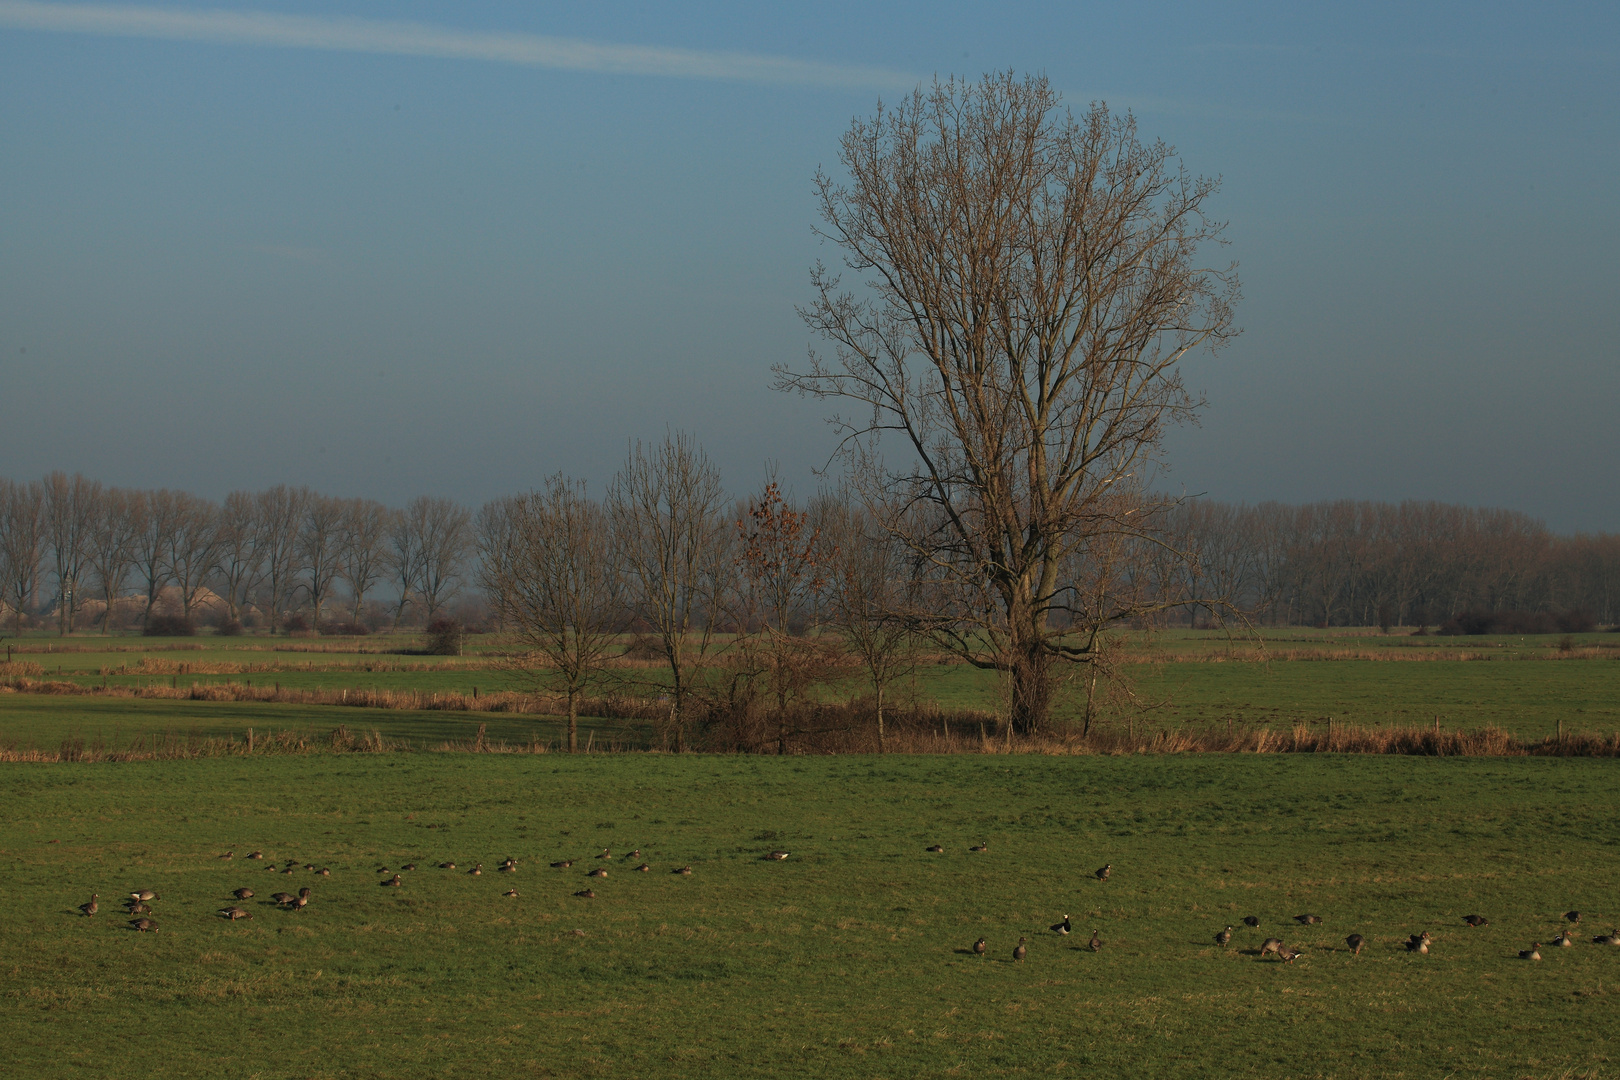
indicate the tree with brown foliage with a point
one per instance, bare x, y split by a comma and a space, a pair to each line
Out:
1031, 282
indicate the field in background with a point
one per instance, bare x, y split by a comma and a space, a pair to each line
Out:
848, 959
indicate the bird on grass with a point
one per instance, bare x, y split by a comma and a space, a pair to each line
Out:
979, 947
606, 854
447, 866
643, 868
1611, 938
587, 894
935, 849
143, 894
1307, 920
1564, 941
1223, 938
1270, 945
1572, 916
229, 855
324, 872
243, 894
636, 854
145, 926
1020, 952
408, 867
1356, 943
394, 882
234, 913
1250, 921
563, 864
1287, 955
383, 870
1532, 953
1476, 920
684, 871
287, 870
255, 854
778, 856
1419, 943
1095, 944
509, 892
285, 898
982, 845
1062, 927
304, 893
135, 907
508, 867
600, 871
477, 870
1104, 871
91, 907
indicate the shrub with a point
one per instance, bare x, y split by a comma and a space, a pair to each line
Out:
229, 627
1578, 621
345, 629
295, 624
168, 626
444, 637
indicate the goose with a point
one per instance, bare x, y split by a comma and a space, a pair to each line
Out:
145, 926
394, 882
600, 871
324, 872
1476, 920
91, 907
1287, 955
1419, 943
477, 870
1307, 920
563, 864
508, 867
311, 866
636, 854
684, 870
299, 903
1356, 943
587, 894
1223, 938
509, 892
935, 849
408, 867
1564, 941
643, 868
304, 893
228, 855
1062, 927
285, 898
982, 845
979, 947
137, 908
255, 854
384, 870
1572, 916
1020, 952
1251, 922
606, 854
1095, 944
288, 870
144, 894
243, 894
447, 866
234, 913
1104, 871
1611, 938
1270, 945
1532, 953
778, 856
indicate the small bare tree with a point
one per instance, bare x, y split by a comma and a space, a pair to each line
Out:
558, 589
665, 507
71, 505
1032, 282
363, 540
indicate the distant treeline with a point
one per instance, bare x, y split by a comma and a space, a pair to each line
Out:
1454, 568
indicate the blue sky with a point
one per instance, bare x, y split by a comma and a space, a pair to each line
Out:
244, 244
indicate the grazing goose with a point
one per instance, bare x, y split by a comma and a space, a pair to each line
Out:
1020, 952
1250, 921
144, 894
1223, 938
982, 845
1572, 916
229, 855
1356, 943
243, 894
587, 894
234, 913
563, 864
285, 898
643, 868
393, 882
137, 908
91, 907
145, 926
1287, 955
935, 849
979, 947
477, 870
1104, 871
1532, 953
684, 870
1564, 941
304, 893
255, 854
1062, 927
299, 903
509, 892
600, 871
1611, 938
1095, 944
447, 866
1270, 945
1307, 920
1476, 920
778, 856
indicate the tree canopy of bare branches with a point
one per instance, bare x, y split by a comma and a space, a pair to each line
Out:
1030, 283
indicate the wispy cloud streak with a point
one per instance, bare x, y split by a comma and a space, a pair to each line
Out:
421, 39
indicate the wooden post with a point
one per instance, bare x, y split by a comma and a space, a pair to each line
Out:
250, 740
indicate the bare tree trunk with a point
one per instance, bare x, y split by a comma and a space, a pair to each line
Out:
573, 723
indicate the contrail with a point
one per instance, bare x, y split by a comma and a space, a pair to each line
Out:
421, 39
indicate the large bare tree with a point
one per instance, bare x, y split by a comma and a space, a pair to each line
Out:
363, 550
443, 539
71, 504
193, 543
1030, 282
111, 553
155, 515
239, 557
665, 506
281, 518
558, 588
320, 549
22, 539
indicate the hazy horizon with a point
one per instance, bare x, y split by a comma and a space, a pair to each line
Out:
389, 250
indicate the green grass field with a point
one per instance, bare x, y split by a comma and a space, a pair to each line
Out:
847, 959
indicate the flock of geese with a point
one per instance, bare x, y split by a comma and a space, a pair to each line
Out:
138, 905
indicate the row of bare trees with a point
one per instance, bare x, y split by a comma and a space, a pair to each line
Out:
1389, 564
69, 544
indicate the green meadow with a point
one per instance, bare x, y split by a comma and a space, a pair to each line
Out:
850, 958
